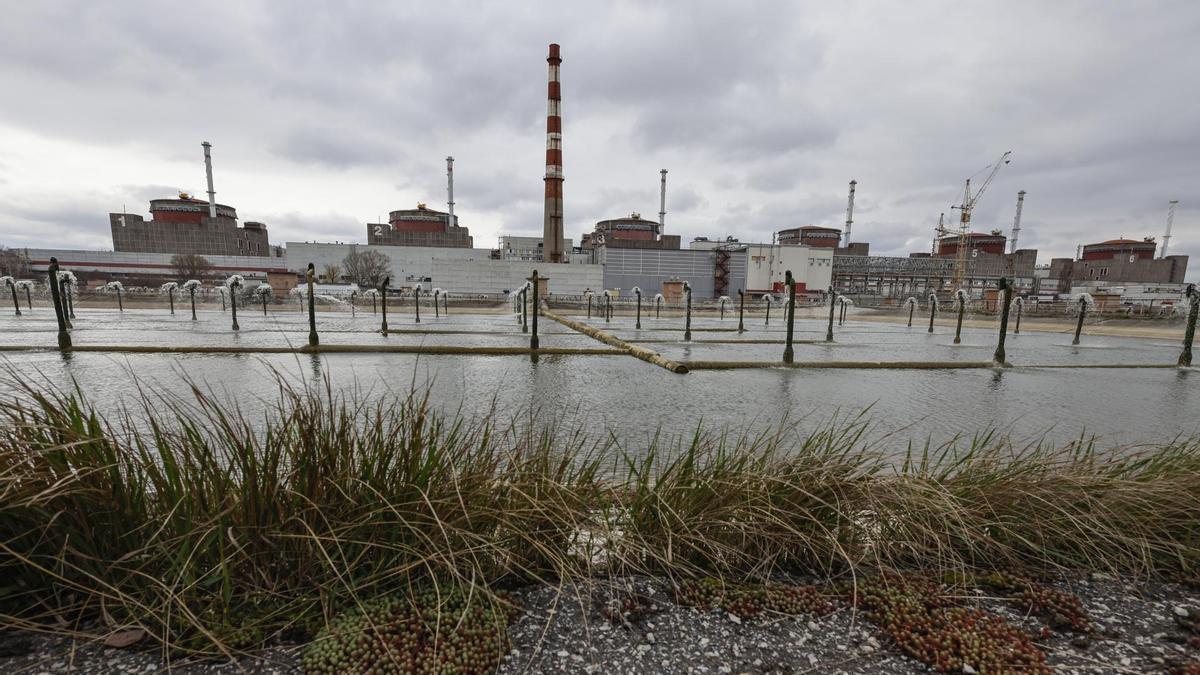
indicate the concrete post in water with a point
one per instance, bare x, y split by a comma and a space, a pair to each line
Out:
234, 282
1006, 299
12, 287
309, 275
1083, 303
64, 338
417, 301
741, 311
64, 288
932, 309
1020, 304
68, 306
687, 326
169, 289
525, 309
383, 303
832, 308
1193, 298
788, 355
637, 292
191, 285
535, 280
960, 299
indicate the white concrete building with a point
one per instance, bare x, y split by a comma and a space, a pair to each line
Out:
514, 247
767, 264
457, 270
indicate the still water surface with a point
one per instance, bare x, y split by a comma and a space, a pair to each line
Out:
634, 399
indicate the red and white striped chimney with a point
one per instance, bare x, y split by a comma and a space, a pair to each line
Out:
552, 230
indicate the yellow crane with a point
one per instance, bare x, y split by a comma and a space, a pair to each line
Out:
967, 206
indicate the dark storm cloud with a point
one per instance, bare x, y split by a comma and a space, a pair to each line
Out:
762, 113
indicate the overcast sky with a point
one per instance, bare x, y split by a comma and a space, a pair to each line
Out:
325, 116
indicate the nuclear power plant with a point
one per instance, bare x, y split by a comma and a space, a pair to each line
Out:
431, 248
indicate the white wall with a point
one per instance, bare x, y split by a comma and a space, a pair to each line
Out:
767, 264
457, 270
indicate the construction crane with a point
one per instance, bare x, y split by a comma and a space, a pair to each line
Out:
964, 223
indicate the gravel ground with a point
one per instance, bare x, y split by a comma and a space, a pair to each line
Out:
1138, 628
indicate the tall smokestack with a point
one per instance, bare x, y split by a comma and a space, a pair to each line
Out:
552, 230
662, 203
1017, 221
850, 212
450, 189
212, 196
1170, 221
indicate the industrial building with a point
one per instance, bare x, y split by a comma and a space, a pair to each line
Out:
512, 247
1115, 262
189, 226
184, 225
632, 231
95, 268
421, 226
984, 263
457, 270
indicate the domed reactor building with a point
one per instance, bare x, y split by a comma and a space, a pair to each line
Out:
186, 225
189, 226
421, 226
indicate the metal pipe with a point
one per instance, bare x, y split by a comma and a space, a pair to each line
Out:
533, 339
1006, 293
788, 353
383, 303
64, 338
832, 308
1189, 334
741, 310
309, 275
687, 326
1082, 314
212, 195
417, 302
638, 293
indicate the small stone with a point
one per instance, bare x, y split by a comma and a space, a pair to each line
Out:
650, 638
1081, 642
562, 654
1125, 661
735, 618
703, 642
812, 625
968, 670
812, 660
642, 649
1181, 611
873, 642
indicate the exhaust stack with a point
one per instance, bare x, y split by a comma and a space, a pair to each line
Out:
850, 213
1170, 221
1016, 231
450, 190
212, 196
662, 203
552, 229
